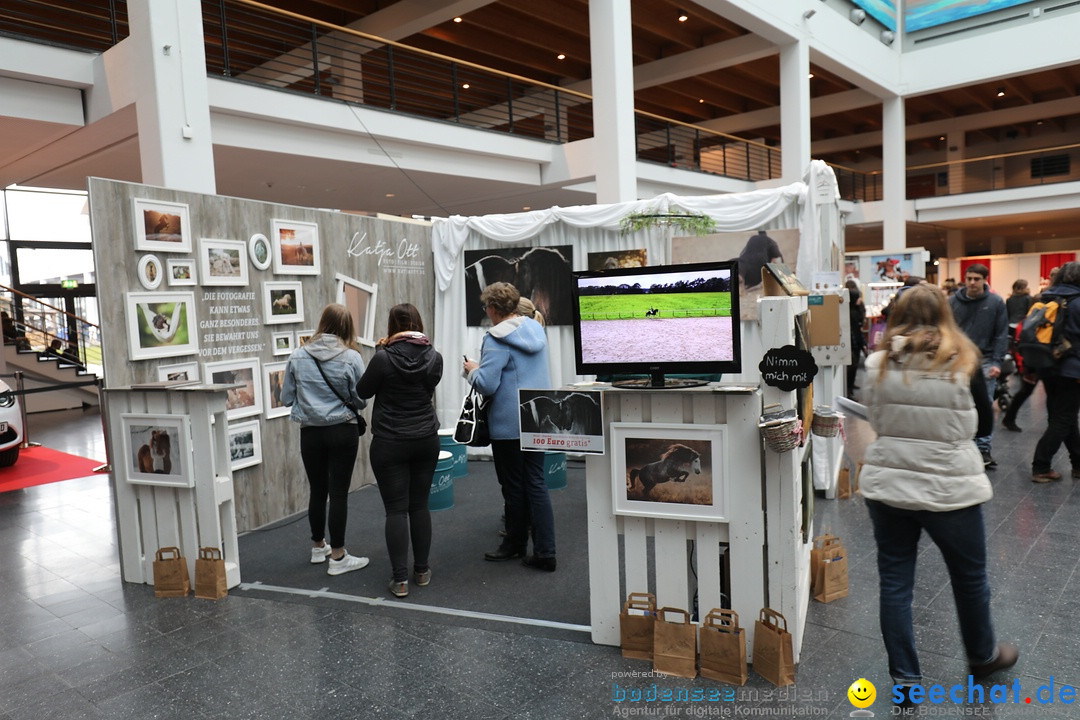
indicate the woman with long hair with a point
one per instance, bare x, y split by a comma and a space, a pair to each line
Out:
927, 400
404, 439
320, 386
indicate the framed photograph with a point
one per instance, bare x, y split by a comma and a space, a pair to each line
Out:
273, 376
181, 271
360, 299
157, 450
161, 324
670, 471
295, 247
545, 270
302, 336
561, 420
245, 400
245, 444
161, 226
259, 251
283, 302
223, 262
181, 371
149, 272
282, 343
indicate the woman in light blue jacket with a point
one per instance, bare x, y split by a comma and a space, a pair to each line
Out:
514, 355
320, 386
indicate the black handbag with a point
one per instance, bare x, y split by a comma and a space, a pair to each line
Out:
472, 424
361, 423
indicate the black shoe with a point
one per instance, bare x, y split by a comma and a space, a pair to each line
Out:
988, 462
505, 552
1005, 657
1011, 425
539, 563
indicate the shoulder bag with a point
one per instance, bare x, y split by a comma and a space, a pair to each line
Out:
472, 425
361, 423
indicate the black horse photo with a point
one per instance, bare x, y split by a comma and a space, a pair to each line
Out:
541, 274
669, 471
561, 412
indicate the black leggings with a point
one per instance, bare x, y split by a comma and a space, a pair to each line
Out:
404, 469
329, 454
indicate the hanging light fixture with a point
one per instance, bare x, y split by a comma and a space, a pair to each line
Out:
683, 17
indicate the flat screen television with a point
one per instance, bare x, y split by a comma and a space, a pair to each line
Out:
674, 319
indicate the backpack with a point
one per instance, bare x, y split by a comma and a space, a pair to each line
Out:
1041, 340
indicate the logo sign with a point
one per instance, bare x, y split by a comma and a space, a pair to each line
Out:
788, 368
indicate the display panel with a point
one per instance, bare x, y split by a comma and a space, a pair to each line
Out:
657, 320
920, 14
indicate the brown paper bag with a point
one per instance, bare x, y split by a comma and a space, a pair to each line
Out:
815, 559
773, 654
843, 484
636, 626
723, 647
674, 644
210, 575
831, 577
171, 573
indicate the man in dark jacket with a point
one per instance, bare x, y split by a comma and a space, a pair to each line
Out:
1062, 386
982, 316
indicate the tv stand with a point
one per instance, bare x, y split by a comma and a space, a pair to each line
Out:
657, 381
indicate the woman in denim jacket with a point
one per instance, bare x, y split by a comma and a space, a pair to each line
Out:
329, 437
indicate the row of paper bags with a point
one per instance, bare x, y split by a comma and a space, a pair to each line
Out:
171, 574
648, 633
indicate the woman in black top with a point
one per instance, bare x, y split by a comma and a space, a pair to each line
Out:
404, 439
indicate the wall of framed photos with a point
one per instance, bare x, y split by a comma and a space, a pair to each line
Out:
216, 289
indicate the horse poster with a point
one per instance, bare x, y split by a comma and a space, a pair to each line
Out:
561, 420
542, 274
669, 471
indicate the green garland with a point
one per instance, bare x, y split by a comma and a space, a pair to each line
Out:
690, 223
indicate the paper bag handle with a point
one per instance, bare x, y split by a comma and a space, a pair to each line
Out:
173, 552
726, 621
664, 610
209, 553
826, 539
641, 601
770, 617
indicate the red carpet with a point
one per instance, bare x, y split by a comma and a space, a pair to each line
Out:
40, 465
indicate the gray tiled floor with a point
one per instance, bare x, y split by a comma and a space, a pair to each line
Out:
76, 642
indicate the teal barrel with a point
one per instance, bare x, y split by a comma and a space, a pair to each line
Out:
442, 484
555, 470
448, 444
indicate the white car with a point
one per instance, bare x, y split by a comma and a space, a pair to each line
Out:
11, 428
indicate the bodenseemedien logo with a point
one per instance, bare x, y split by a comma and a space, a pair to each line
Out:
862, 694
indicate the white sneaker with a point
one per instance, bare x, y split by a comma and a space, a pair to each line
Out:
347, 563
319, 554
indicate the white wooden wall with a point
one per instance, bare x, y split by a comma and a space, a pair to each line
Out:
150, 517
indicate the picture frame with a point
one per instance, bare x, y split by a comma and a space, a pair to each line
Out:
223, 262
360, 299
245, 444
161, 226
283, 302
243, 401
259, 251
282, 343
149, 272
692, 458
561, 420
157, 449
180, 371
295, 247
273, 377
161, 324
181, 271
302, 336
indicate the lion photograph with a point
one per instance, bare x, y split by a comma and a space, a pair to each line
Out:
669, 470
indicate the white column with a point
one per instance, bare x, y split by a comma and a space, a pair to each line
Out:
795, 109
172, 104
611, 48
894, 180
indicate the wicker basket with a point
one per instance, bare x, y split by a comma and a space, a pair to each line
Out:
827, 422
782, 429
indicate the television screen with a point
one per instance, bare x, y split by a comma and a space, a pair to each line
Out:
658, 320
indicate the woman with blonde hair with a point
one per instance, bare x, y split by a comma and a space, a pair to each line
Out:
927, 400
320, 386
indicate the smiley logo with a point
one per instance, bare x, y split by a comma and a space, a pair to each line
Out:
862, 693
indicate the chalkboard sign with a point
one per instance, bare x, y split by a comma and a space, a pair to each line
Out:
788, 368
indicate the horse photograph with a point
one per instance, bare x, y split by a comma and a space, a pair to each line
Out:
574, 416
669, 470
541, 274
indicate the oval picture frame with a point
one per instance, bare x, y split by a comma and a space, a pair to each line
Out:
150, 272
259, 251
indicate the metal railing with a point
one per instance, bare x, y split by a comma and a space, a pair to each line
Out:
83, 24
33, 325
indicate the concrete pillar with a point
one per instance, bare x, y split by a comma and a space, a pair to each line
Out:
172, 105
613, 100
894, 174
795, 109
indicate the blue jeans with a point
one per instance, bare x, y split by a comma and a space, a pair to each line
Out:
983, 441
525, 494
961, 538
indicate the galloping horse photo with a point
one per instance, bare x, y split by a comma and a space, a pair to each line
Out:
668, 471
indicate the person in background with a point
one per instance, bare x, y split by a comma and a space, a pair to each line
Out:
927, 399
1062, 384
8, 327
857, 312
949, 286
404, 439
527, 309
981, 314
1018, 304
71, 354
54, 348
320, 386
514, 355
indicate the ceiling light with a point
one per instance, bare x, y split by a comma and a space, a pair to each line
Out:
457, 19
887, 36
1001, 92
857, 15
465, 85
683, 17
810, 76
560, 56
389, 194
701, 100
1040, 122
527, 207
